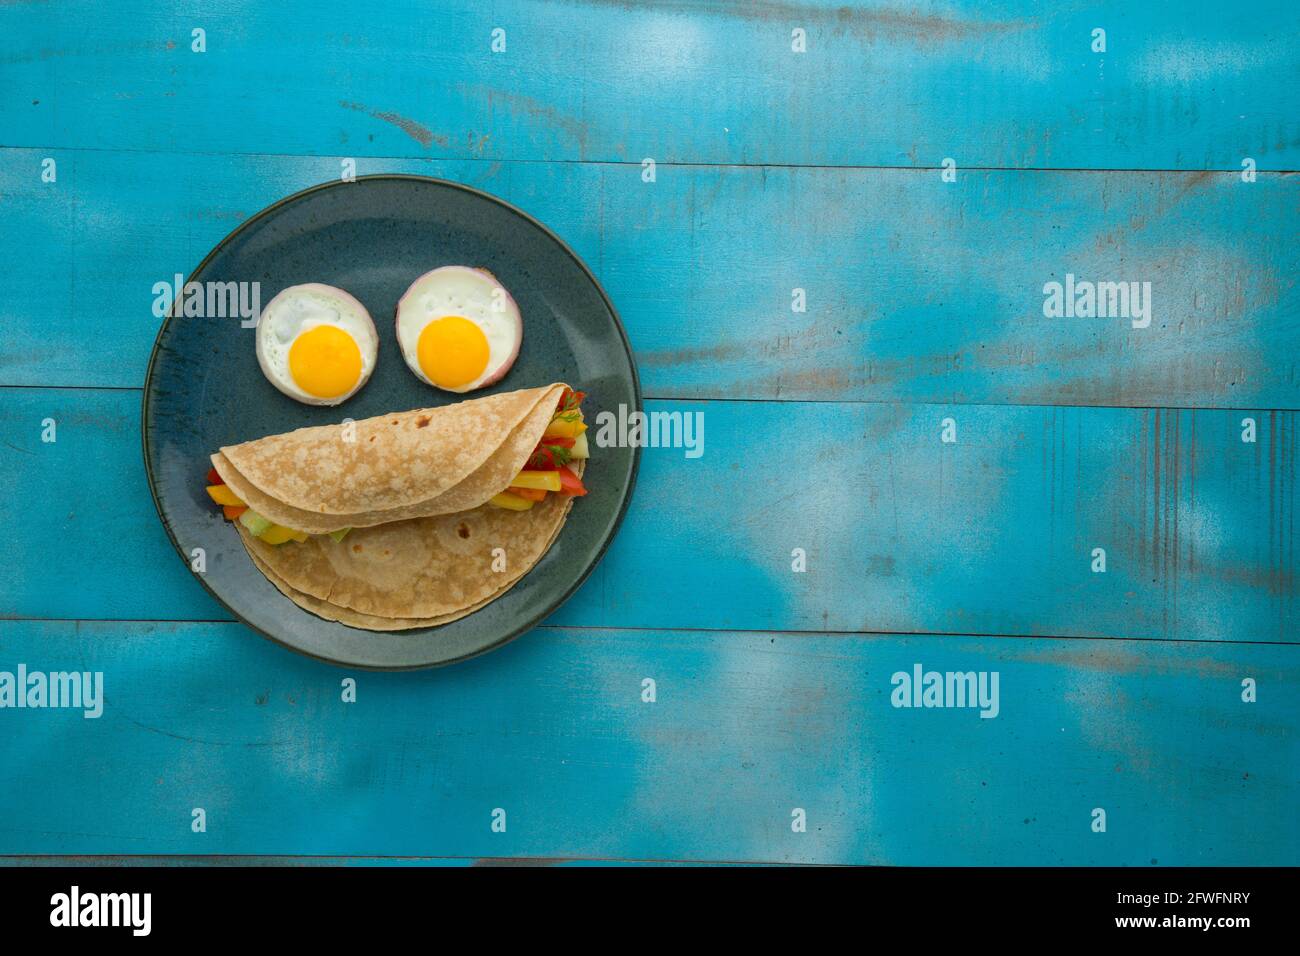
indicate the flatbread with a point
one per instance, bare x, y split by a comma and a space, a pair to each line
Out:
421, 567
378, 464
371, 622
506, 458
394, 571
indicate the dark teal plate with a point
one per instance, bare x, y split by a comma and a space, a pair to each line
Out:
372, 237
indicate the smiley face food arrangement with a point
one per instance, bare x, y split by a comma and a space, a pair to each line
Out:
410, 519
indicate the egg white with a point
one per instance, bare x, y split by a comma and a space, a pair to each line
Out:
302, 307
473, 294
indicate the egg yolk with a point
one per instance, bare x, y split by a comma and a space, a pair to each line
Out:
325, 361
453, 351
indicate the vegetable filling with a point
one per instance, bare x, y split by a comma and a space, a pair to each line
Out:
548, 469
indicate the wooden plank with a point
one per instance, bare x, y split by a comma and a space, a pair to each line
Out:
745, 728
916, 290
890, 84
992, 534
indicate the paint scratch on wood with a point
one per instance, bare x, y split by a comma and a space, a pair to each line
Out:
417, 131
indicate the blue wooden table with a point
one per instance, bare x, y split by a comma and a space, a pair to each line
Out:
828, 229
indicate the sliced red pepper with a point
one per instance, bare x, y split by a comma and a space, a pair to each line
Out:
570, 399
234, 511
214, 478
570, 483
543, 458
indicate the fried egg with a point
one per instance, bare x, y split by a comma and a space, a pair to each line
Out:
316, 343
458, 328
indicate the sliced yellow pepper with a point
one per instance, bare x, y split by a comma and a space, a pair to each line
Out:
559, 428
277, 534
532, 494
222, 495
541, 480
513, 502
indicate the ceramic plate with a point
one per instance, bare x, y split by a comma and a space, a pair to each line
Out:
372, 237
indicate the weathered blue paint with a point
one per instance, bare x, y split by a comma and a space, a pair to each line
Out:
746, 728
775, 170
993, 534
1193, 85
916, 290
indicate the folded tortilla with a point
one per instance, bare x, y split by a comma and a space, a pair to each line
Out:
425, 548
405, 465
